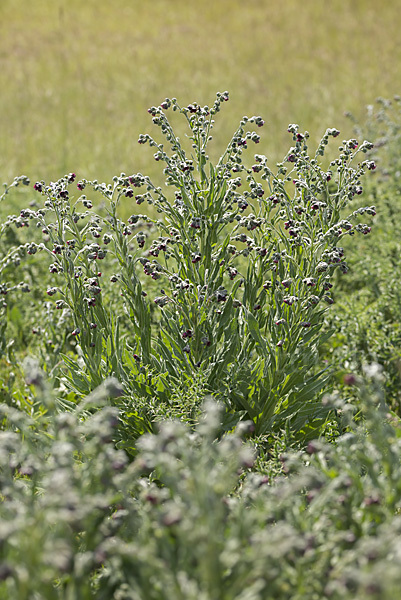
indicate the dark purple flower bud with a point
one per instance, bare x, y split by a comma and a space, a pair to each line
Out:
57, 249
221, 295
76, 331
370, 500
352, 144
350, 379
321, 267
196, 223
161, 300
312, 447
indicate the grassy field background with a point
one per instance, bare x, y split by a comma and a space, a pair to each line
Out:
77, 77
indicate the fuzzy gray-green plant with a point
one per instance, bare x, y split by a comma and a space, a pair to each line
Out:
190, 517
240, 262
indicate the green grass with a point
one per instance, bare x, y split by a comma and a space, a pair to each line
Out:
77, 77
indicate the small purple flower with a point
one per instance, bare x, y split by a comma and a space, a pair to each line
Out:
289, 300
312, 447
350, 379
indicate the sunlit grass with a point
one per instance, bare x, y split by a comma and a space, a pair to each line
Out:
77, 77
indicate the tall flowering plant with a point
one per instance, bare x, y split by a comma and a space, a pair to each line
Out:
226, 290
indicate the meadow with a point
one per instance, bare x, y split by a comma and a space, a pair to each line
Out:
200, 332
77, 78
